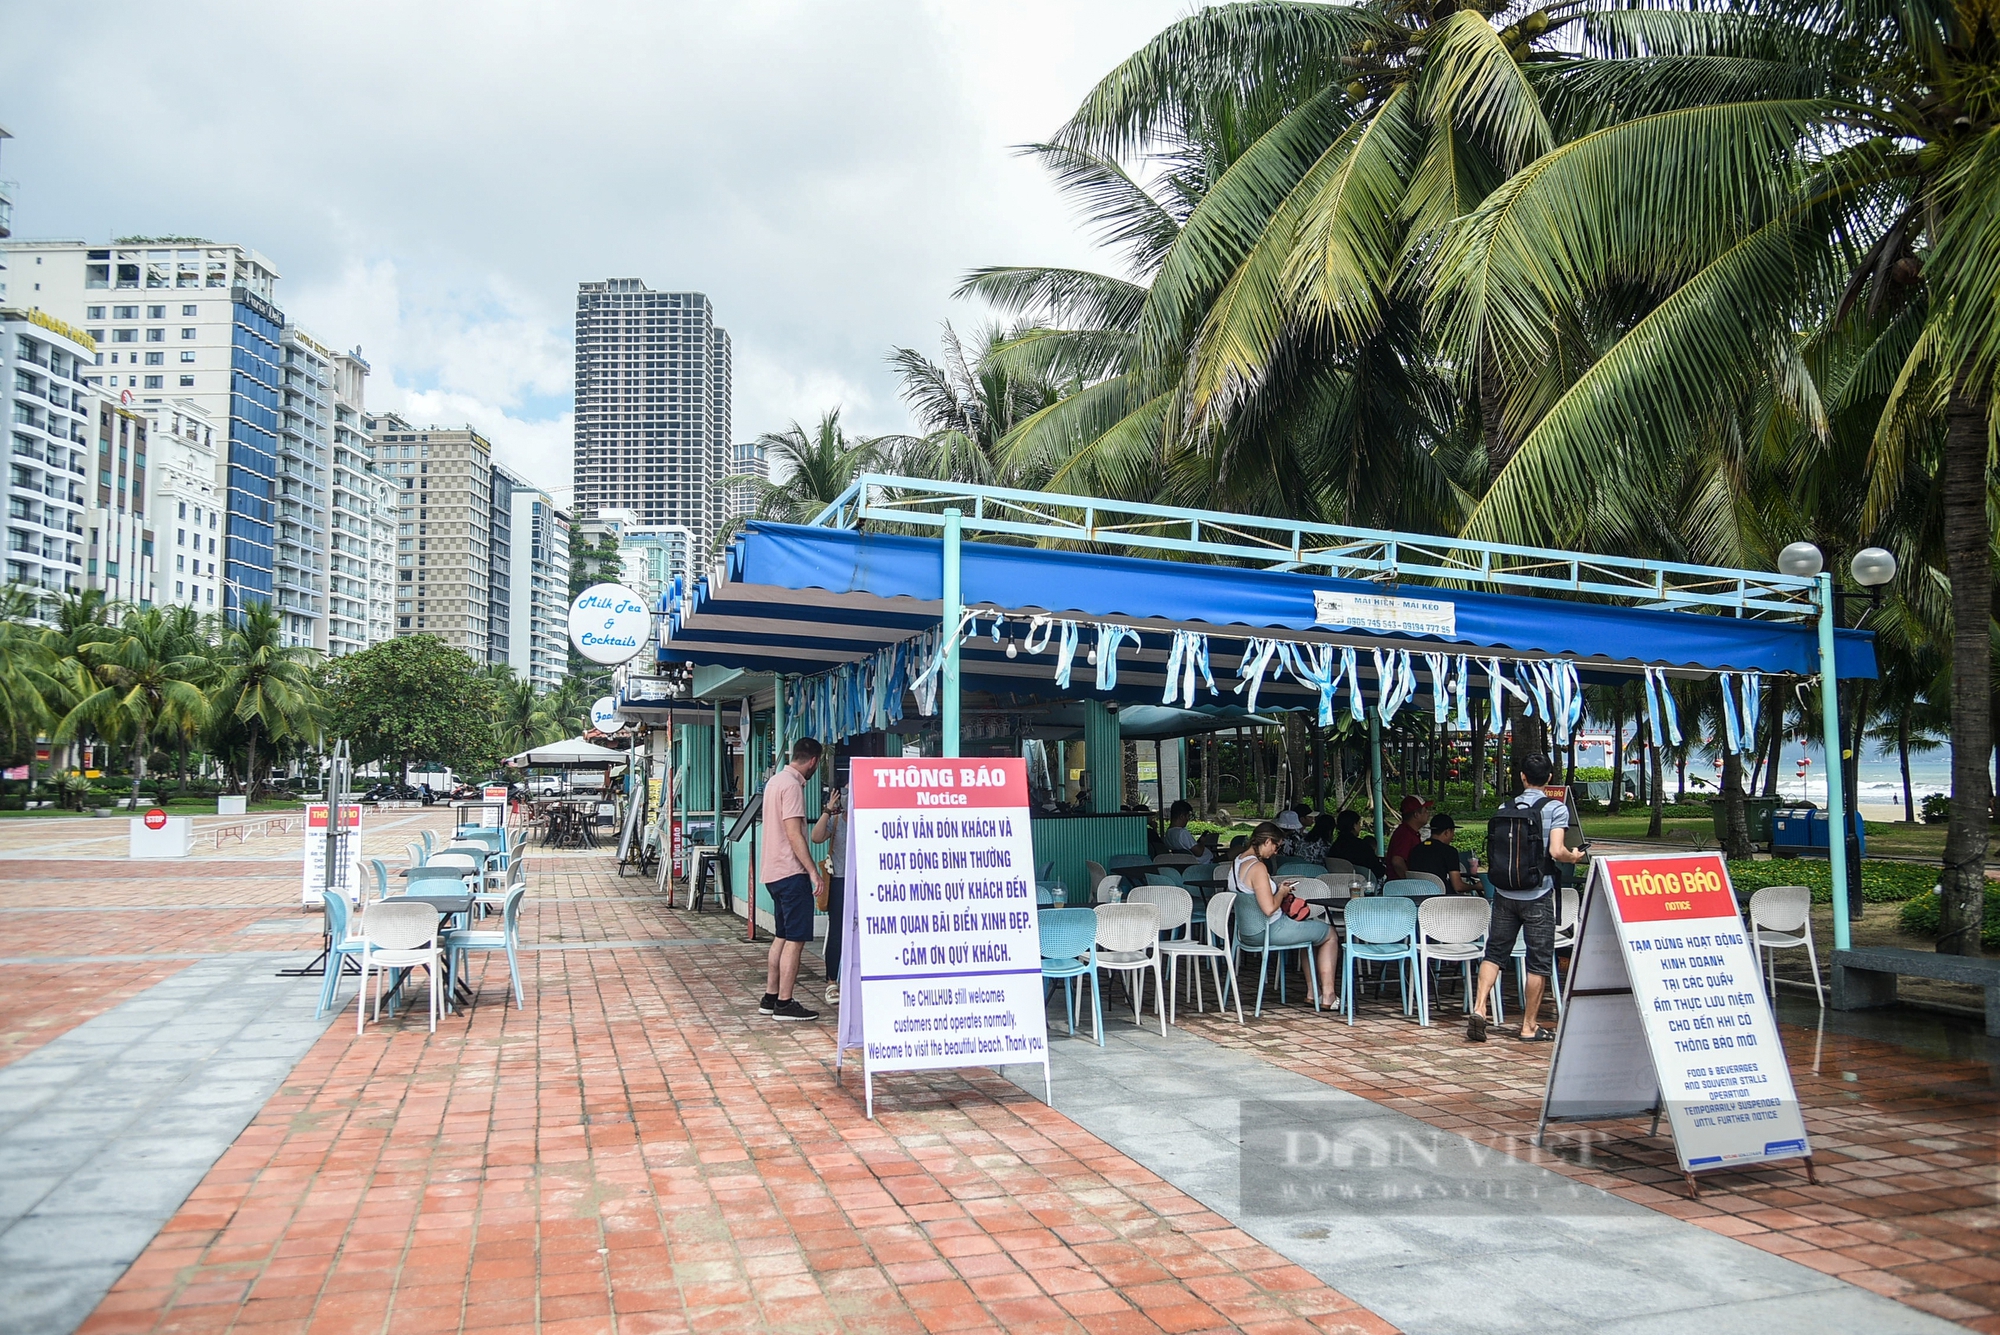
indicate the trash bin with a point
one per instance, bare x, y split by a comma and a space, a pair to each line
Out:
1807, 832
1757, 814
1792, 830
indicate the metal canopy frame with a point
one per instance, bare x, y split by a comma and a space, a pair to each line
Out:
1286, 544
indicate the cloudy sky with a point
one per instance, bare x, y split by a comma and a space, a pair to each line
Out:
433, 180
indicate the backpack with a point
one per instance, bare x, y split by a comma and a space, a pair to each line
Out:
1517, 852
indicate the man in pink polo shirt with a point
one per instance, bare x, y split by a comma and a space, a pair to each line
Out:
785, 866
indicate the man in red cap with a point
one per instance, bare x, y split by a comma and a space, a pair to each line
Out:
1407, 835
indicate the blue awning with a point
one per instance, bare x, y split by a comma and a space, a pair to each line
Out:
797, 599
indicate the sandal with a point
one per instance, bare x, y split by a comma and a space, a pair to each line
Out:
1543, 1034
1475, 1028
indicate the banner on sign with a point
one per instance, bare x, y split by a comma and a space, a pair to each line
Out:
942, 963
1666, 1012
347, 847
1385, 611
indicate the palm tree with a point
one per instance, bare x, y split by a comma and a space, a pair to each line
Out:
264, 685
1279, 357
814, 468
1745, 174
963, 406
144, 686
26, 683
524, 719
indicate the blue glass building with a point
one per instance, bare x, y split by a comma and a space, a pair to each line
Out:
254, 377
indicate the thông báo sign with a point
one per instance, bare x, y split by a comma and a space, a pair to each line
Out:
942, 965
1666, 1011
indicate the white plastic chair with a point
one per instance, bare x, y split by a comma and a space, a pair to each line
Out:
397, 934
1430, 876
1451, 929
1176, 908
1222, 935
1781, 919
1096, 874
1128, 941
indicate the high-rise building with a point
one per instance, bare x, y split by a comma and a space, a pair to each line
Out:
650, 556
6, 220
538, 590
748, 459
118, 555
443, 481
500, 564
51, 417
183, 317
361, 523
185, 509
652, 406
299, 551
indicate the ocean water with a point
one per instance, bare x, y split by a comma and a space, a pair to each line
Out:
1881, 780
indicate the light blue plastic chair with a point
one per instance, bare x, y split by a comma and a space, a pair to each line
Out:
382, 886
430, 842
1069, 952
461, 940
1299, 867
1045, 898
1384, 928
1250, 935
1166, 876
339, 946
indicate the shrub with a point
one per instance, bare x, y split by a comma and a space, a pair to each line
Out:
13, 802
1937, 808
1881, 882
1923, 917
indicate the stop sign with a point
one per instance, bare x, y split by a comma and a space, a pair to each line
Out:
156, 819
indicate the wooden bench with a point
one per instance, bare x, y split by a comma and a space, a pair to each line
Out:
1866, 977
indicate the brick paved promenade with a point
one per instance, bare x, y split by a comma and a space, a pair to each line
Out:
638, 1150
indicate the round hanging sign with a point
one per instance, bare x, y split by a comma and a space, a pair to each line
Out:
608, 623
156, 819
604, 715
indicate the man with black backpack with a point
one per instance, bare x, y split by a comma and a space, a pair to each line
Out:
1524, 844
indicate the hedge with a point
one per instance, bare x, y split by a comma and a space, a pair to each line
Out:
1920, 917
1881, 882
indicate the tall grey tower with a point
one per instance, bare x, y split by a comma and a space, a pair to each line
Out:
652, 406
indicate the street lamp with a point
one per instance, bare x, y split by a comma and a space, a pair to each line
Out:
1871, 568
1801, 559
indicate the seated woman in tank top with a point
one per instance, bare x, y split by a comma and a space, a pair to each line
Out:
1259, 914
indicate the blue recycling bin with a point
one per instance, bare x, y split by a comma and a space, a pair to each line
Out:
1807, 832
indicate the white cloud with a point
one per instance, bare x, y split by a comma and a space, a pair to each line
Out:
434, 180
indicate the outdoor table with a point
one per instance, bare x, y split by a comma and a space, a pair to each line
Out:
449, 904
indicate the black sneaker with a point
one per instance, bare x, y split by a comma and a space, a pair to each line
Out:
791, 1010
768, 1003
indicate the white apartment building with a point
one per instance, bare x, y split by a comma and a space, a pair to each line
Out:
185, 507
51, 426
442, 479
652, 406
118, 550
299, 550
361, 524
748, 459
188, 318
538, 593
650, 556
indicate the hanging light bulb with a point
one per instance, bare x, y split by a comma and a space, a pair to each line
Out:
1091, 658
1011, 650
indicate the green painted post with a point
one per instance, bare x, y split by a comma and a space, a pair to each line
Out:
778, 752
716, 792
953, 609
1836, 798
1375, 775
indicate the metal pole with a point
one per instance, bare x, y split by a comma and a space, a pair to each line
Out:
1836, 797
1375, 774
953, 609
715, 788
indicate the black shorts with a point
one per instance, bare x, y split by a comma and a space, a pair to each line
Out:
1535, 918
792, 907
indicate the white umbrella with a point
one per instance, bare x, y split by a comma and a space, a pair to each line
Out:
575, 751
